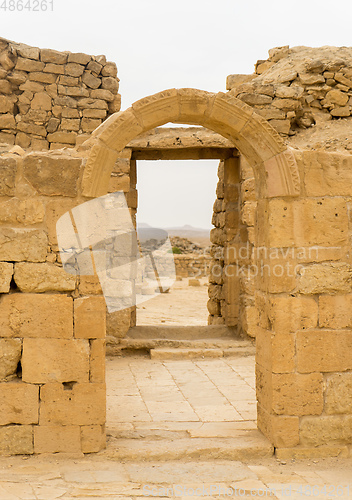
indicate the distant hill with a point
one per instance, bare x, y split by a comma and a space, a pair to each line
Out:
195, 234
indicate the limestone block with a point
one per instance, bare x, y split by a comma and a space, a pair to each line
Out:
42, 77
92, 103
63, 137
19, 403
94, 113
8, 168
93, 438
324, 351
286, 104
57, 439
307, 222
311, 79
52, 176
24, 64
255, 99
54, 210
118, 323
335, 311
327, 174
6, 272
31, 315
341, 111
97, 361
296, 394
89, 285
282, 431
84, 404
90, 80
109, 69
94, 67
289, 314
18, 245
7, 138
330, 277
278, 271
70, 124
28, 211
10, 355
248, 213
6, 104
317, 431
90, 124
281, 126
16, 440
7, 121
70, 81
43, 277
79, 58
115, 105
56, 69
55, 360
31, 128
289, 92
53, 56
275, 351
335, 96
338, 394
90, 317
119, 183
248, 190
74, 69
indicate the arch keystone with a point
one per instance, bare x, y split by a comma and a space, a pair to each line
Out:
195, 106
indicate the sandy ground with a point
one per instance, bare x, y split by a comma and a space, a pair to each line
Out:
182, 305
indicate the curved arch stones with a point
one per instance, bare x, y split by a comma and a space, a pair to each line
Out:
273, 163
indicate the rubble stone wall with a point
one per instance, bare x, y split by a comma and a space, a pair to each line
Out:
51, 99
293, 86
52, 324
190, 265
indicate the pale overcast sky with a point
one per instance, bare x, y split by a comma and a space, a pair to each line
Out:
159, 44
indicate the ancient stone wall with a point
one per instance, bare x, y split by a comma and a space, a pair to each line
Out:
294, 86
190, 265
52, 324
51, 99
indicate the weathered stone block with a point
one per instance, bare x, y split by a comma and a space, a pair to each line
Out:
57, 439
52, 176
289, 314
6, 272
326, 174
84, 404
16, 440
10, 355
19, 403
55, 360
43, 277
53, 56
338, 394
93, 438
296, 394
307, 222
335, 311
90, 317
97, 361
317, 431
118, 323
31, 315
275, 351
330, 277
324, 351
23, 245
27, 212
282, 431
8, 168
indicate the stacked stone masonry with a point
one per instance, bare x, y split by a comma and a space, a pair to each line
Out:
52, 324
51, 99
293, 86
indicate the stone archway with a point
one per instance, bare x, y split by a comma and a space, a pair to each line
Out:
273, 163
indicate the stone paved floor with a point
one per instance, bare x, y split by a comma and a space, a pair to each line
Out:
198, 393
201, 396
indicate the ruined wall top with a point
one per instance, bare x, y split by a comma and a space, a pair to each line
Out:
295, 88
51, 99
